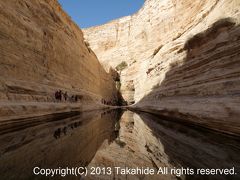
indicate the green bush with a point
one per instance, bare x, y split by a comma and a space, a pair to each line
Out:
121, 66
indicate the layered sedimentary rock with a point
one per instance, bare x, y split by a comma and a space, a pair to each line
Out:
42, 51
183, 59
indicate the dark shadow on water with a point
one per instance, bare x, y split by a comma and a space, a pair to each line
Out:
68, 141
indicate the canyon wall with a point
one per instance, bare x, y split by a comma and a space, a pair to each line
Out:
182, 59
42, 51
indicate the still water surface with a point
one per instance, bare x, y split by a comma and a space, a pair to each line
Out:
112, 138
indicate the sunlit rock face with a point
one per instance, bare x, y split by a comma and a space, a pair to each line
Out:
183, 59
42, 51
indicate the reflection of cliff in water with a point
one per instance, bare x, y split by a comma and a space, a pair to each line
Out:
113, 139
66, 142
146, 141
192, 147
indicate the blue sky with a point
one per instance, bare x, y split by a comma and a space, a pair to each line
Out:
87, 13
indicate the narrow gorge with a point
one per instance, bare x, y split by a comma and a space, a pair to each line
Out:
154, 89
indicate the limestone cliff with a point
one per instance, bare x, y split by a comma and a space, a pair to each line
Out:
42, 51
183, 59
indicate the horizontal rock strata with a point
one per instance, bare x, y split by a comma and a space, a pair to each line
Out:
42, 51
182, 60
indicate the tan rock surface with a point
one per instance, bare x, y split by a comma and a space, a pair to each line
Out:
183, 59
42, 51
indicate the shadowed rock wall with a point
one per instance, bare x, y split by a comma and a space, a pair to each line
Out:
41, 51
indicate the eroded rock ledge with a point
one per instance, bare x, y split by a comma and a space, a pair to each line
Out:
182, 60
